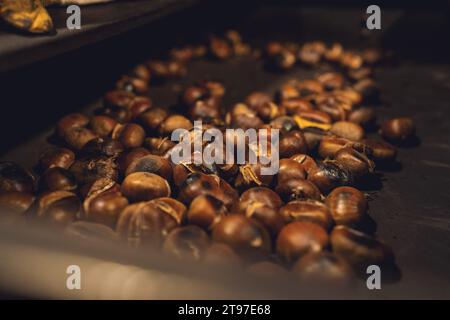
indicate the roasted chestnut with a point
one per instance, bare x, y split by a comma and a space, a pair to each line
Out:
330, 145
290, 169
127, 157
133, 85
57, 178
205, 211
143, 224
323, 268
292, 143
141, 186
244, 235
174, 122
219, 254
131, 135
15, 178
307, 210
15, 202
380, 150
347, 205
102, 147
267, 216
77, 137
299, 238
297, 189
189, 242
261, 195
159, 146
359, 249
58, 207
330, 174
102, 126
88, 170
152, 164
397, 129
347, 130
73, 120
172, 207
56, 157
105, 208
306, 161
153, 118
357, 162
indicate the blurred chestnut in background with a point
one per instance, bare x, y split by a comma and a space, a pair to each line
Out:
56, 157
57, 178
189, 242
15, 178
397, 129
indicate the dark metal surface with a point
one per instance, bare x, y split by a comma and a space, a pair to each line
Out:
410, 201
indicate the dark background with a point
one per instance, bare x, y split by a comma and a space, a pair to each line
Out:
410, 201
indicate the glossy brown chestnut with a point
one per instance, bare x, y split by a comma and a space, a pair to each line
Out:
159, 146
359, 248
57, 179
172, 207
397, 129
314, 136
88, 170
250, 175
241, 116
77, 137
299, 238
284, 123
347, 205
102, 126
127, 157
15, 178
205, 211
130, 135
186, 243
307, 210
330, 145
380, 150
306, 161
56, 157
173, 122
267, 216
297, 189
347, 130
245, 236
356, 162
290, 169
292, 143
58, 207
143, 224
153, 118
141, 186
105, 208
323, 268
363, 116
151, 164
102, 147
261, 195
73, 120
330, 174
118, 98
15, 202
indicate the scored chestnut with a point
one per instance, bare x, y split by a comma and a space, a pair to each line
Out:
188, 242
347, 205
262, 195
299, 238
330, 174
245, 236
151, 164
292, 143
297, 189
357, 162
205, 211
307, 210
141, 186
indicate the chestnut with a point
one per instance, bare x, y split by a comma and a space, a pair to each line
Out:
15, 178
356, 162
16, 201
142, 224
192, 94
118, 98
294, 106
77, 137
102, 125
57, 179
121, 114
347, 130
309, 88
172, 207
306, 161
153, 118
219, 48
330, 174
260, 195
205, 211
397, 129
360, 249
297, 188
141, 186
241, 116
70, 121
368, 88
105, 208
347, 205
102, 147
364, 116
320, 118
56, 157
139, 105
380, 150
173, 122
206, 110
266, 216
283, 60
351, 60
250, 176
151, 164
245, 236
331, 80
299, 238
284, 123
88, 170
159, 146
313, 136
130, 135
330, 145
334, 53
257, 99
307, 210
58, 207
141, 72
189, 242
290, 169
128, 156
219, 254
287, 91
360, 73
323, 268
291, 143
197, 184
133, 85
334, 105
311, 53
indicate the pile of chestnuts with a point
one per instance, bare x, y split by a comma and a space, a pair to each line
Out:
111, 176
